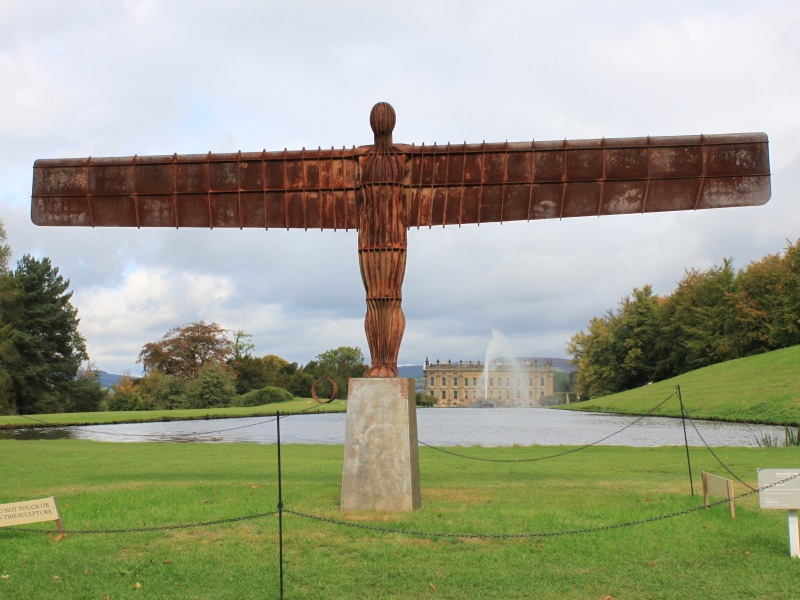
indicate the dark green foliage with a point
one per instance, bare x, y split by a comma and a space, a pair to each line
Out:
256, 373
267, 395
339, 364
126, 400
162, 392
46, 350
712, 316
85, 394
213, 386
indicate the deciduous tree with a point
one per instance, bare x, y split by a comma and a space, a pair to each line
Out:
184, 350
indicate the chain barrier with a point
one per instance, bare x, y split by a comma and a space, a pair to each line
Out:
717, 458
281, 509
147, 529
558, 454
545, 534
415, 532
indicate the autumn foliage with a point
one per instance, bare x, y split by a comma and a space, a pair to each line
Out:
712, 316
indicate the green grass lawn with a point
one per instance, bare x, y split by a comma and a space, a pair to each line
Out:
107, 486
137, 416
757, 389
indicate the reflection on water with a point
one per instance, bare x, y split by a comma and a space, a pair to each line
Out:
436, 427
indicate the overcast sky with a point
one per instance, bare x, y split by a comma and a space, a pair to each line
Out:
117, 78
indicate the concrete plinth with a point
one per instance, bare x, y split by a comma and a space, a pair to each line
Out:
381, 457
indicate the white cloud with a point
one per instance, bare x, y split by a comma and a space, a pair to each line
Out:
142, 77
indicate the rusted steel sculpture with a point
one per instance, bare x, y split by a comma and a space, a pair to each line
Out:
383, 189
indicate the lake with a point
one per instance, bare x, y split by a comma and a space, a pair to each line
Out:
436, 427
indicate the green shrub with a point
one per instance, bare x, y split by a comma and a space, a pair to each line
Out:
267, 395
126, 400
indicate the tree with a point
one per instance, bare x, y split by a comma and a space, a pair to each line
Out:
339, 364
698, 320
213, 386
242, 347
125, 395
85, 393
786, 320
5, 250
183, 351
162, 392
47, 345
8, 352
618, 351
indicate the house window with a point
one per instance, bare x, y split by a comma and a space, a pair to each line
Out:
455, 394
444, 381
530, 381
432, 382
491, 381
542, 382
474, 381
455, 381
444, 395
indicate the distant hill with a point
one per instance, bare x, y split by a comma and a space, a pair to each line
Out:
410, 371
108, 379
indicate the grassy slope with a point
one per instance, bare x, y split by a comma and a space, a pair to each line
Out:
138, 416
763, 388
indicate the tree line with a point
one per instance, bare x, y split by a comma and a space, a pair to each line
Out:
45, 367
203, 365
43, 358
712, 316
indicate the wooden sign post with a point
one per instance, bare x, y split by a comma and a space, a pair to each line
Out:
30, 511
718, 486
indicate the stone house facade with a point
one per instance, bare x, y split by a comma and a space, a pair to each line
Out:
502, 382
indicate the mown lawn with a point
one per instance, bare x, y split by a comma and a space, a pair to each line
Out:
585, 525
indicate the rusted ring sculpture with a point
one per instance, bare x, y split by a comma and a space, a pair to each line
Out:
333, 393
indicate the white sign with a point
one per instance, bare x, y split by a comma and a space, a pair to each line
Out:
784, 495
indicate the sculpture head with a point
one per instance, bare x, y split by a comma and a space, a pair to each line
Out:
382, 119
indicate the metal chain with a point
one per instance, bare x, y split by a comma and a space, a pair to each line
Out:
545, 534
413, 532
146, 529
714, 454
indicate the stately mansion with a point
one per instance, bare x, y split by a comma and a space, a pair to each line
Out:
500, 382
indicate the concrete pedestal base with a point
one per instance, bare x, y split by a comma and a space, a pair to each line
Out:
381, 457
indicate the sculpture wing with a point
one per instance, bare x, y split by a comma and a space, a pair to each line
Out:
482, 183
289, 189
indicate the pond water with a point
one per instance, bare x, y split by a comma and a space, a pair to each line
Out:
436, 427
